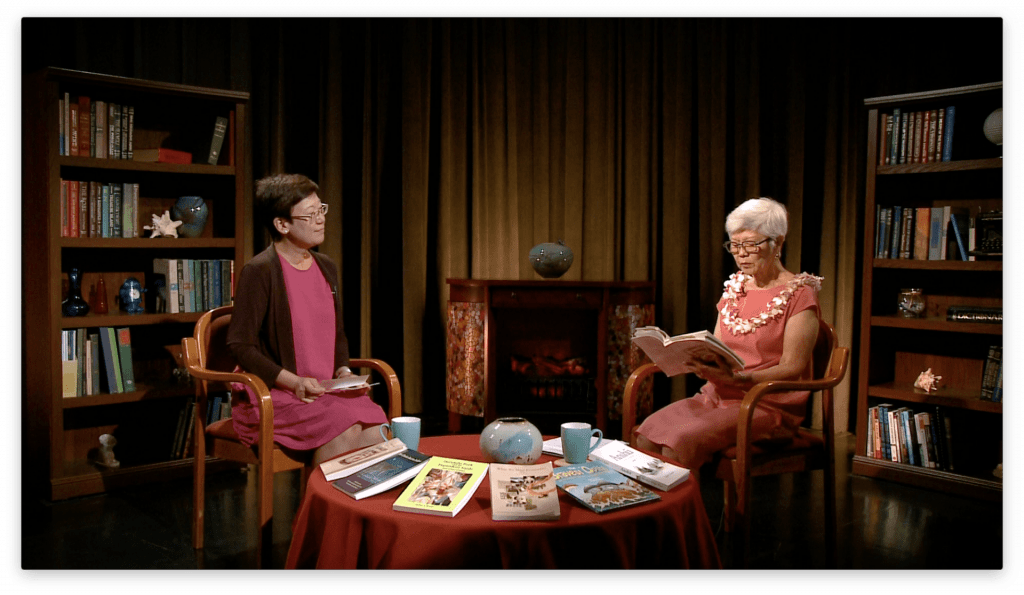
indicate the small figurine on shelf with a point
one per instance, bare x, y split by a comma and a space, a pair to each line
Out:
927, 381
163, 226
130, 296
106, 454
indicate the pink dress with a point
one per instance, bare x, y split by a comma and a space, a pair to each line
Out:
299, 425
704, 424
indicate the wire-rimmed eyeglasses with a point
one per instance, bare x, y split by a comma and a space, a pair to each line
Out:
748, 247
322, 211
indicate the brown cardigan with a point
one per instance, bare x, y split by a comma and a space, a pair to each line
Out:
260, 336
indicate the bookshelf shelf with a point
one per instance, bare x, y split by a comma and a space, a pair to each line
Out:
937, 324
893, 350
65, 431
142, 393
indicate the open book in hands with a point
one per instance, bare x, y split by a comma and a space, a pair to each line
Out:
674, 354
346, 384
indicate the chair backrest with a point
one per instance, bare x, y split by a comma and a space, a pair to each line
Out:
824, 345
211, 333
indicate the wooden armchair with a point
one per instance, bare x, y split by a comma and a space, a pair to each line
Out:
210, 362
807, 450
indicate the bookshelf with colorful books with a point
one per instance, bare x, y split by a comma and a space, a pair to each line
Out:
932, 236
86, 200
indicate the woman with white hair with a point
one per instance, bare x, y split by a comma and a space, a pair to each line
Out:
769, 317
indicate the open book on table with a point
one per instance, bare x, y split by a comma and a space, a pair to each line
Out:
672, 354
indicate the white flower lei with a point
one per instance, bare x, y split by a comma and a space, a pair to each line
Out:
735, 287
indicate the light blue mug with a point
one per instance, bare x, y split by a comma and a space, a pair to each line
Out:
576, 441
406, 429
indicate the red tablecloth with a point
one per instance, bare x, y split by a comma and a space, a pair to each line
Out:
333, 530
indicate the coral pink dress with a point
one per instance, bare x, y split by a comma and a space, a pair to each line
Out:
704, 424
299, 425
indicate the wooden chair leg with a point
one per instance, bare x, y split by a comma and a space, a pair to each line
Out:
831, 537
265, 535
729, 501
198, 500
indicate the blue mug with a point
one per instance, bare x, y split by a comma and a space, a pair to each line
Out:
406, 429
578, 443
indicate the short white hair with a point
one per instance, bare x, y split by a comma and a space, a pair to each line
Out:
762, 215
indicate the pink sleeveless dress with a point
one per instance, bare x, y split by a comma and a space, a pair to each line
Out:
299, 425
704, 424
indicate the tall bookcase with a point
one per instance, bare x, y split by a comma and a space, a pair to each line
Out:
895, 349
60, 434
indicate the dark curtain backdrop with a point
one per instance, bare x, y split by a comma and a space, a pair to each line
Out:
449, 147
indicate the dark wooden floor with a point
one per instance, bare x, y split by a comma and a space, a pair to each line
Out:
882, 525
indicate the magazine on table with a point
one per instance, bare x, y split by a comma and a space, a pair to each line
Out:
358, 460
647, 469
382, 476
600, 488
523, 492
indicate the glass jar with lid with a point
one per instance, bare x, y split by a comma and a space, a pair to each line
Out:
911, 303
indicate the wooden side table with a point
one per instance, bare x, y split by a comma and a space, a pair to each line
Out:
544, 348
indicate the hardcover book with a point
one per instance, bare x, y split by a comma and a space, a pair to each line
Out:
220, 128
361, 459
650, 470
672, 354
442, 487
523, 492
124, 354
600, 488
382, 476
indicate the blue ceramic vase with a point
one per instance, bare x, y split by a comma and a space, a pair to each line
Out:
192, 212
74, 305
551, 260
511, 440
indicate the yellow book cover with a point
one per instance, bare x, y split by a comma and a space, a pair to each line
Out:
442, 487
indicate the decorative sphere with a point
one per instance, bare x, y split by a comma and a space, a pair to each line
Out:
192, 212
511, 440
994, 127
551, 260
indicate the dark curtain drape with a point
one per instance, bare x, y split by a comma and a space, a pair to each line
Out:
449, 147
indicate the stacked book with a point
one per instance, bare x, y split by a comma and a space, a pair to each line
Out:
924, 233
99, 210
195, 285
97, 129
922, 438
96, 362
921, 136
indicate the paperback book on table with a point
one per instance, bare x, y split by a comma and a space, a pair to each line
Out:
442, 487
600, 488
346, 465
631, 462
382, 476
671, 354
523, 492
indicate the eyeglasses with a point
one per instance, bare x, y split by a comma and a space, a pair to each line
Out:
322, 211
749, 247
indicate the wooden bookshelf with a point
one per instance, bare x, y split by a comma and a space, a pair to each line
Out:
62, 433
894, 349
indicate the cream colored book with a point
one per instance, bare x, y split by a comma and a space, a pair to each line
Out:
346, 465
442, 487
671, 354
523, 493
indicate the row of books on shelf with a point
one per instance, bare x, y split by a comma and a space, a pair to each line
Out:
992, 375
195, 285
96, 361
928, 233
100, 129
98, 210
903, 435
923, 136
106, 130
442, 486
218, 407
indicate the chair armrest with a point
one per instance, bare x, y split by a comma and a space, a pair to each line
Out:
629, 399
390, 381
833, 375
190, 354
